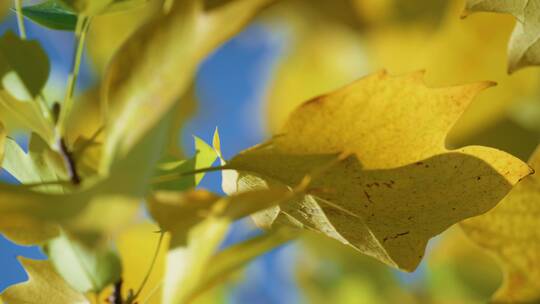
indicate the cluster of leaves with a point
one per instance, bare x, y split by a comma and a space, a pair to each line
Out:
366, 164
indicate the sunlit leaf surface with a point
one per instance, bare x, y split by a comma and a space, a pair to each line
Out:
382, 179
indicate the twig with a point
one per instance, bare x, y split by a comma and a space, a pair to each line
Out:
83, 23
70, 163
20, 19
149, 272
116, 296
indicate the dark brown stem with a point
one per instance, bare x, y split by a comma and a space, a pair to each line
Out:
116, 296
70, 163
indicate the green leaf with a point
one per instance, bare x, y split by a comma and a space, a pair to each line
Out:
22, 62
84, 269
52, 14
174, 174
225, 263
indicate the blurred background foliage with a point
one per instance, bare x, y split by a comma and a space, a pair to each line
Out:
294, 51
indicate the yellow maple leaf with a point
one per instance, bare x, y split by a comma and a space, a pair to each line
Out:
382, 179
510, 232
44, 286
321, 55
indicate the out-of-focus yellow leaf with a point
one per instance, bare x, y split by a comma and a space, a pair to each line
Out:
85, 269
2, 141
25, 230
330, 272
185, 109
523, 48
44, 286
374, 13
459, 271
155, 67
459, 50
137, 246
198, 222
96, 7
454, 51
85, 133
109, 31
230, 260
510, 231
178, 212
322, 56
186, 265
85, 120
4, 9
502, 135
30, 217
394, 184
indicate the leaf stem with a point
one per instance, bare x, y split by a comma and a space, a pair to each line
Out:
83, 23
176, 175
42, 102
20, 19
153, 292
149, 272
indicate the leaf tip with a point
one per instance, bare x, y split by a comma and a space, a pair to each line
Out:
216, 141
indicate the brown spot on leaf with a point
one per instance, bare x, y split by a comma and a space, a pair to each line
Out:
368, 197
395, 236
